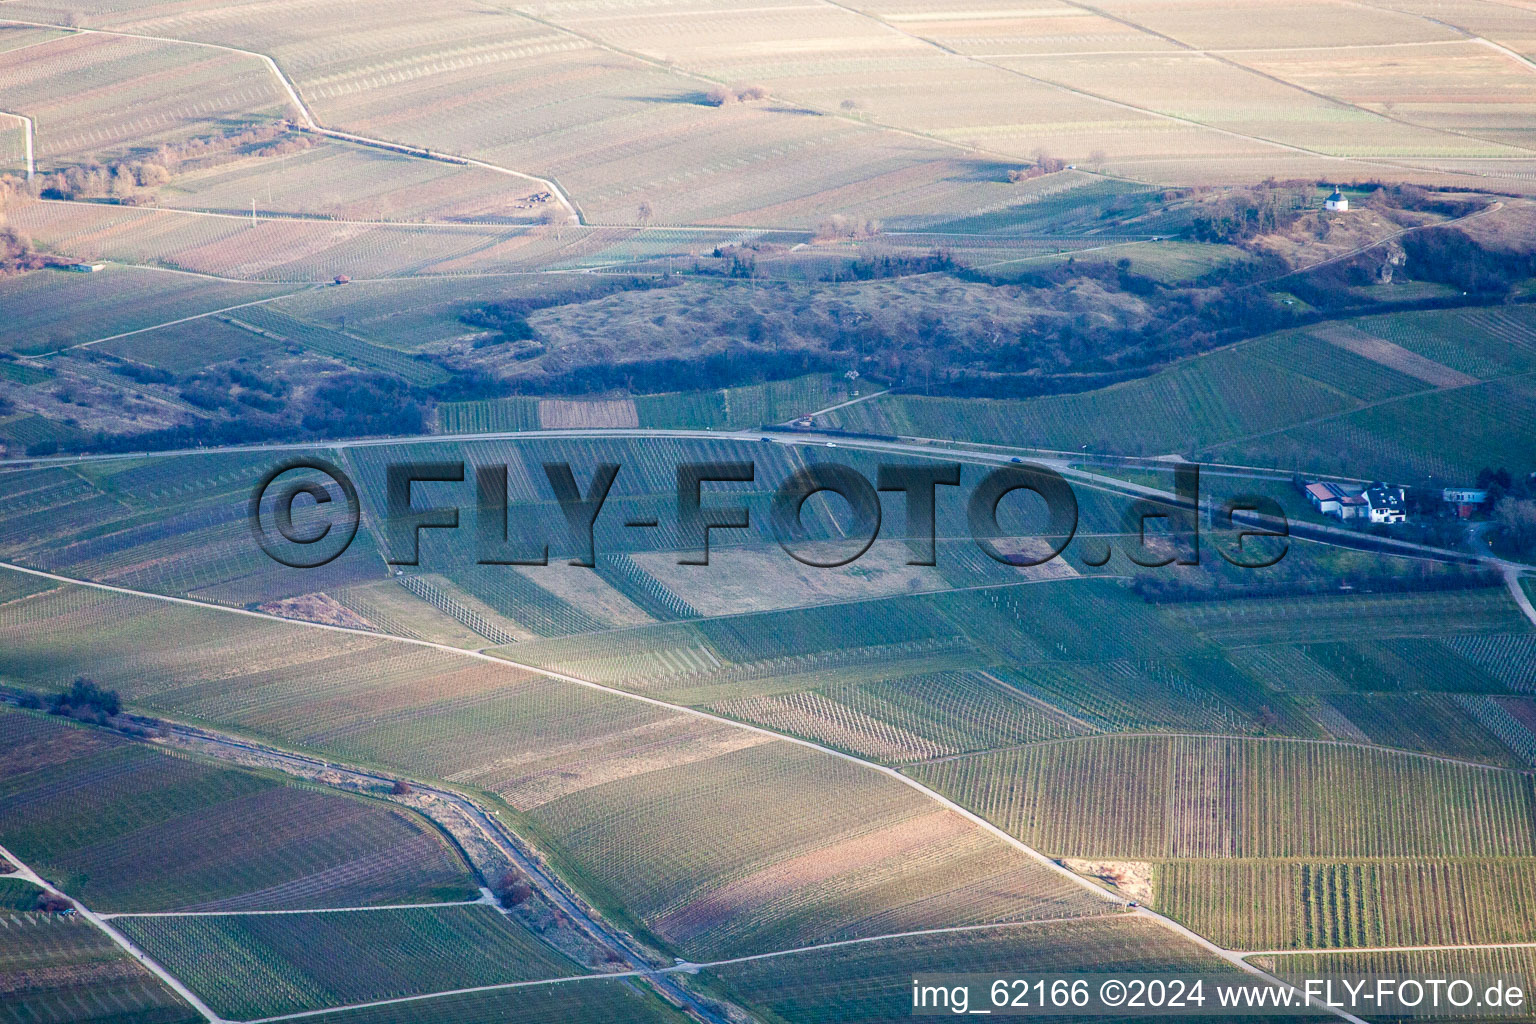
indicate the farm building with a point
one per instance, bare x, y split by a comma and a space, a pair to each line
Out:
1336, 202
1464, 501
1386, 503
85, 268
1333, 499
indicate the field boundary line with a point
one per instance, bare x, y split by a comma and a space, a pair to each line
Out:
482, 901
816, 947
688, 966
980, 822
27, 874
1123, 105
936, 449
170, 323
1364, 407
1144, 735
310, 122
1395, 949
844, 405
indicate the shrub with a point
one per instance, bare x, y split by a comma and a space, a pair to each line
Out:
53, 903
86, 701
512, 890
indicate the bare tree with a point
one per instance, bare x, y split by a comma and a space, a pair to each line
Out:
719, 95
850, 105
1516, 519
1096, 159
840, 226
643, 213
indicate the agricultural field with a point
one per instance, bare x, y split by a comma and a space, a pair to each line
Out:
62, 970
283, 250
1244, 904
350, 182
1362, 412
749, 406
872, 982
128, 827
51, 311
250, 966
1154, 798
716, 894
604, 781
97, 96
173, 526
462, 774
18, 894
598, 1001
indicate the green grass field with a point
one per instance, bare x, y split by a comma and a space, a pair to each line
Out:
263, 965
18, 894
125, 826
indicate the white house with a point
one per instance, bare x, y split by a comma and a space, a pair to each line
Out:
1386, 503
1336, 202
1464, 501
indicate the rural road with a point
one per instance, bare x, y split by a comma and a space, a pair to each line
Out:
909, 447
501, 837
1049, 864
24, 872
311, 123
936, 449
